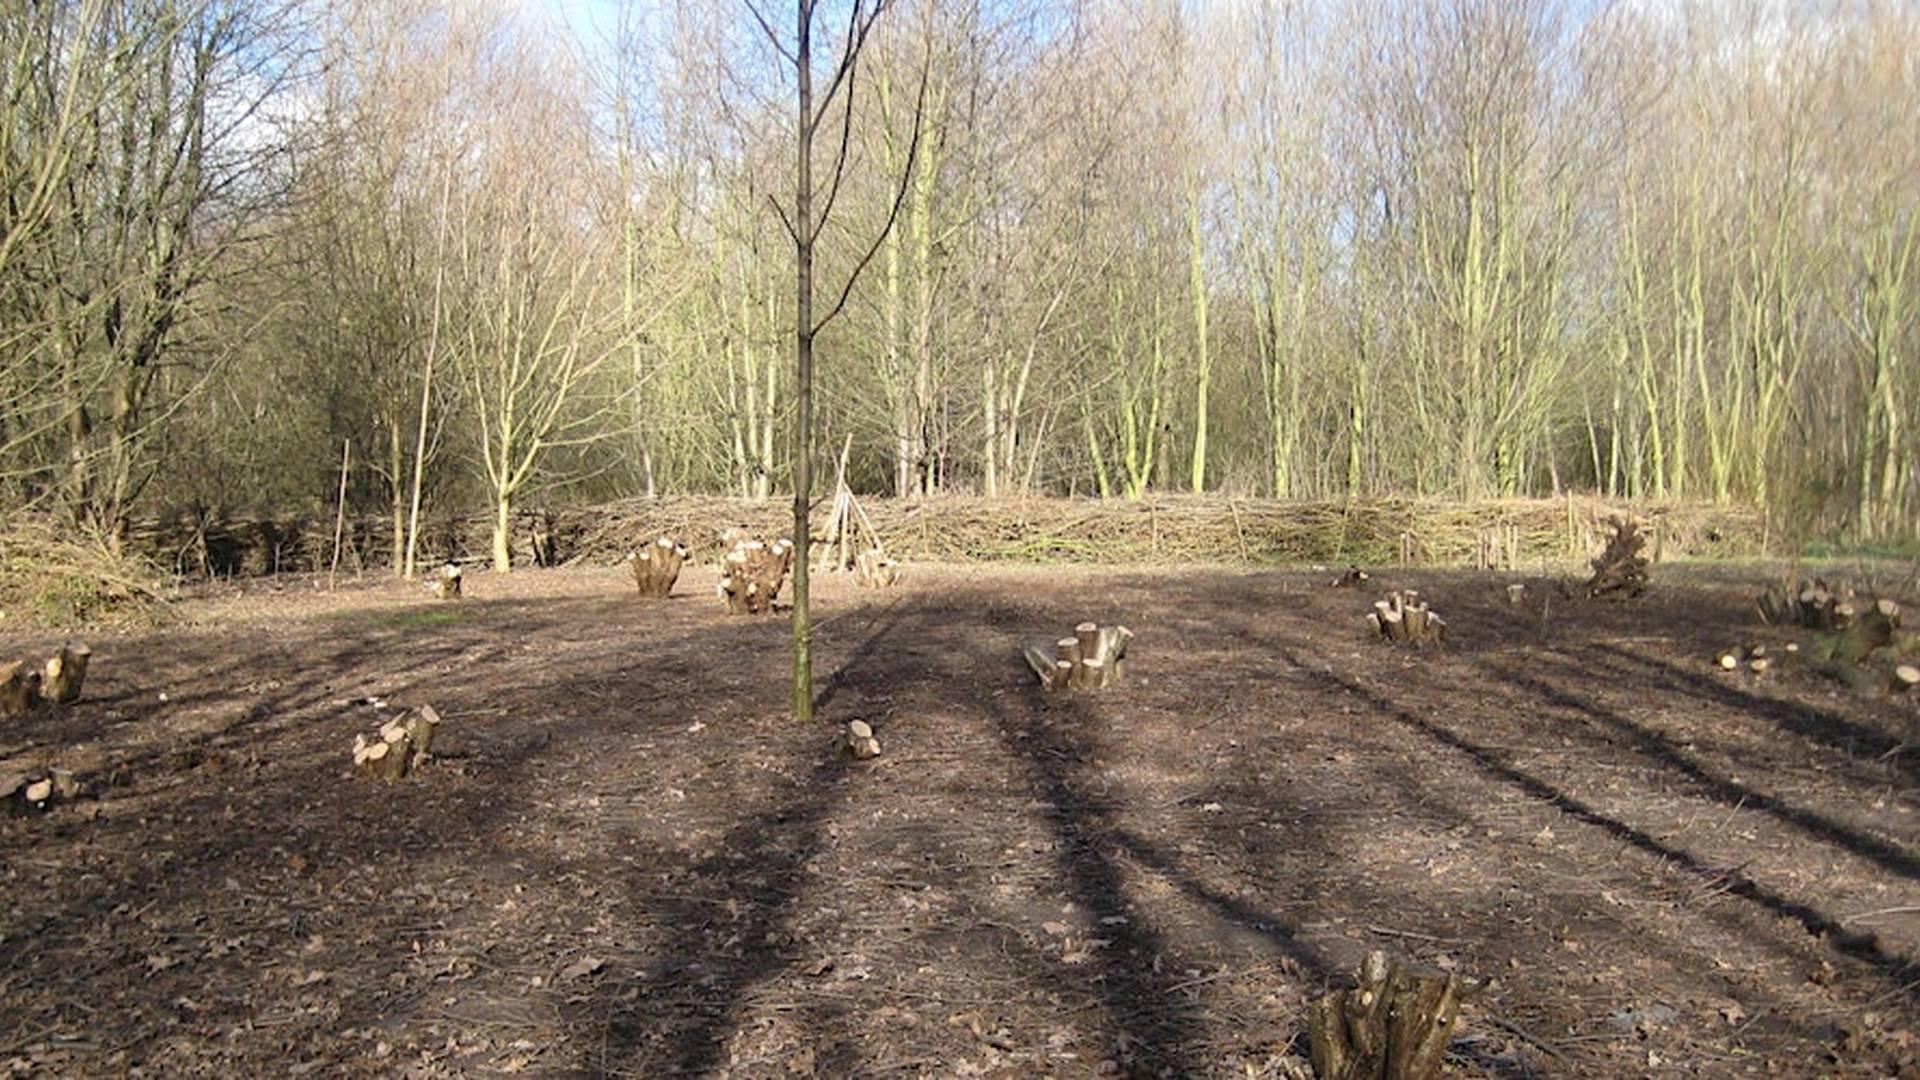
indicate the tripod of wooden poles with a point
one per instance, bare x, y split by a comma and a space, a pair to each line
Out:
851, 542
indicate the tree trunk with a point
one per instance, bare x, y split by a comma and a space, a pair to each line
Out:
503, 534
803, 364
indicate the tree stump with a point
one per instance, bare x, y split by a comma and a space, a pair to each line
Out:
545, 541
446, 583
1866, 653
1863, 632
657, 566
19, 690
65, 674
1905, 678
1620, 571
1353, 576
1093, 658
858, 742
1394, 1026
1754, 658
1516, 594
401, 746
1811, 603
39, 789
873, 570
1404, 617
752, 574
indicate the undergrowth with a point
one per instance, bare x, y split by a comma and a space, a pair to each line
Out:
60, 578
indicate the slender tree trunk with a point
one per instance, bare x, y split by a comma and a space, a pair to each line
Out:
1203, 359
803, 366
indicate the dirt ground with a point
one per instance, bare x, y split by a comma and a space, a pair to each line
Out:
629, 861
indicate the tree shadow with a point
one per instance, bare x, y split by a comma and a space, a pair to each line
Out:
1862, 946
1655, 745
1824, 726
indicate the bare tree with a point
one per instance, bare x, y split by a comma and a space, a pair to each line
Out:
804, 225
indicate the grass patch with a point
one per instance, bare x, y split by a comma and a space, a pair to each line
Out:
407, 618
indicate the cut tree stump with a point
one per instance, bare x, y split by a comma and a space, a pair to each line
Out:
858, 742
1351, 577
1811, 603
19, 689
1620, 571
1754, 658
65, 674
873, 570
1094, 657
752, 574
446, 583
657, 566
401, 746
1404, 617
1395, 1025
1905, 678
39, 789
1868, 652
1869, 628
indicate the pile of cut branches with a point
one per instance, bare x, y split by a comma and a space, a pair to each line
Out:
59, 577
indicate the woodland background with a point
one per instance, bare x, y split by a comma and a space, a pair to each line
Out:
1459, 249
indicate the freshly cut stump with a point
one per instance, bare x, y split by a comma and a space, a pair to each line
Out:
65, 674
1093, 658
657, 566
752, 574
858, 742
38, 790
873, 570
1811, 603
1394, 1026
1405, 618
446, 583
401, 746
19, 690
1353, 576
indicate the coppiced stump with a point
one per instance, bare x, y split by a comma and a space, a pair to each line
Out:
1405, 618
65, 674
38, 789
657, 566
1093, 658
19, 689
752, 574
401, 746
873, 570
1811, 603
446, 583
1395, 1025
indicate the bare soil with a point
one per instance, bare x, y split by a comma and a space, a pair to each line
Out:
629, 860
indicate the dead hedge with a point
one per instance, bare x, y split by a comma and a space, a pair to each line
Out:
1516, 533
